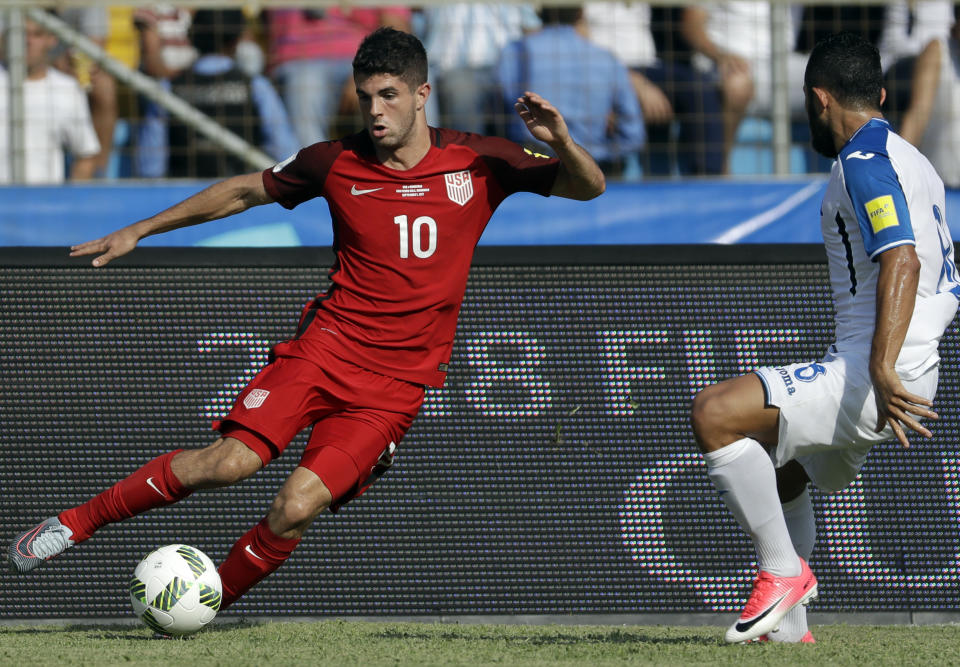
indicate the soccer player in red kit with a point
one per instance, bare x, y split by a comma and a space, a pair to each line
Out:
409, 203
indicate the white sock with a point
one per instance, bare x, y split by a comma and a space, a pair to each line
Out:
798, 514
747, 482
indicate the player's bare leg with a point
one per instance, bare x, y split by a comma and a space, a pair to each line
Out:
267, 545
162, 481
734, 427
223, 463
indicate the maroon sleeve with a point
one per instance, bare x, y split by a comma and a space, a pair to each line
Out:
301, 177
516, 169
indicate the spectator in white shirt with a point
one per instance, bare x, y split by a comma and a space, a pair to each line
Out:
57, 119
733, 39
908, 28
932, 121
101, 88
669, 90
463, 42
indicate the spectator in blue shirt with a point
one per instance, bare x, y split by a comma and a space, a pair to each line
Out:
587, 82
249, 106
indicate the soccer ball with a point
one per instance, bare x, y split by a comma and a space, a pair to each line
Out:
176, 590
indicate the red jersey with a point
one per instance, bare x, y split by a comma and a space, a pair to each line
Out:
404, 241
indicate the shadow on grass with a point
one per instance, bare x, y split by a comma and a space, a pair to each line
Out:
112, 632
555, 639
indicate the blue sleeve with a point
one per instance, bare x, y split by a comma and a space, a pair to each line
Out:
152, 153
631, 134
508, 73
508, 80
529, 20
878, 200
279, 140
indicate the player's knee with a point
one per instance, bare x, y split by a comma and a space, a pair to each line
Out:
294, 513
234, 469
229, 461
707, 415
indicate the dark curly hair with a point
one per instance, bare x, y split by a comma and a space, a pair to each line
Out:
389, 51
847, 66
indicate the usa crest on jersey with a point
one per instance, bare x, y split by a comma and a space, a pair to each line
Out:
459, 186
255, 398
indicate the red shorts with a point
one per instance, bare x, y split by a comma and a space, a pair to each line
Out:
357, 415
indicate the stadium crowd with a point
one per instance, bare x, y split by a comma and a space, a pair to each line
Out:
651, 91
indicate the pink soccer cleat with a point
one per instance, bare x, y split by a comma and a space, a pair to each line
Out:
771, 599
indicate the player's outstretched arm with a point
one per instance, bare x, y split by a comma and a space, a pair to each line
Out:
579, 176
896, 296
220, 200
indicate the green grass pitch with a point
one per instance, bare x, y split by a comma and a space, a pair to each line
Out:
345, 643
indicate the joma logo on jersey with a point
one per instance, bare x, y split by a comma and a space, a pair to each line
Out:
787, 380
882, 213
459, 186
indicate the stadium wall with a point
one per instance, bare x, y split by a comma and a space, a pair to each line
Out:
651, 212
553, 475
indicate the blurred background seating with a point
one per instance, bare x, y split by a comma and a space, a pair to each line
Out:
702, 87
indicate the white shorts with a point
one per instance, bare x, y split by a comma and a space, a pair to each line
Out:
828, 415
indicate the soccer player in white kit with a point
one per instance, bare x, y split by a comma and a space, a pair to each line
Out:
895, 287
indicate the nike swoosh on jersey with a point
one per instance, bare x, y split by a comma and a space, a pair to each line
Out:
253, 553
746, 625
154, 487
356, 191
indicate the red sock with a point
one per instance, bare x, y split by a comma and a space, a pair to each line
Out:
153, 485
253, 557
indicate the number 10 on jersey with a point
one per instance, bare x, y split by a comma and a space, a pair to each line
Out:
415, 233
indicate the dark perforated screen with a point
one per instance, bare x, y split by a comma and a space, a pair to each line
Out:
555, 472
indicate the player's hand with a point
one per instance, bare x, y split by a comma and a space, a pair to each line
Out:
897, 407
111, 246
542, 119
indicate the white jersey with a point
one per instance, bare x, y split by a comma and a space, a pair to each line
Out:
884, 193
941, 139
624, 29
467, 34
57, 121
